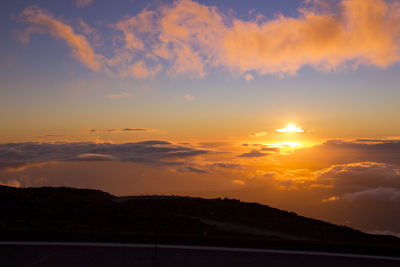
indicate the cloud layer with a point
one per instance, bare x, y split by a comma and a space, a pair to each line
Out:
14, 155
114, 130
189, 38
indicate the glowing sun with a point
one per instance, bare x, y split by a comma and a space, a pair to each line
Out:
290, 128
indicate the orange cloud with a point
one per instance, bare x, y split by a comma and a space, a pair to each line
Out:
134, 28
259, 134
192, 32
238, 182
353, 32
93, 34
46, 22
139, 70
117, 96
334, 198
189, 97
362, 32
189, 38
12, 183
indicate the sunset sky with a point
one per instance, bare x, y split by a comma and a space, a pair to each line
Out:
294, 104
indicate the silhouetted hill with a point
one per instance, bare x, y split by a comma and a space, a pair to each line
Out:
68, 214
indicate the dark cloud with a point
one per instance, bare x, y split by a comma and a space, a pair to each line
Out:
154, 151
379, 193
192, 169
270, 149
214, 144
366, 140
120, 130
226, 165
155, 142
335, 152
253, 154
94, 157
103, 130
357, 177
135, 130
371, 145
263, 147
207, 168
52, 135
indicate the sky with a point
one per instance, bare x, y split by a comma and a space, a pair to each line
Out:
288, 103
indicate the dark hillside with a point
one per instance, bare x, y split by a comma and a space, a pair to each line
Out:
67, 214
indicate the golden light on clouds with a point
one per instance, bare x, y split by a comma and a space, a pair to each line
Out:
259, 134
238, 182
195, 38
290, 128
287, 144
334, 198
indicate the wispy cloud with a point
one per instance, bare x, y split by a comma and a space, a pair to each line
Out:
94, 35
83, 3
189, 97
253, 154
140, 70
117, 96
248, 77
45, 22
259, 134
114, 130
333, 198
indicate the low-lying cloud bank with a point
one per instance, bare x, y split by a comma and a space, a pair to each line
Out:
335, 152
189, 38
161, 152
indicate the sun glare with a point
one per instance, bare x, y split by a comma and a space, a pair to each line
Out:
288, 144
290, 128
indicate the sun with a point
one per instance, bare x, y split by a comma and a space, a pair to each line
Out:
290, 128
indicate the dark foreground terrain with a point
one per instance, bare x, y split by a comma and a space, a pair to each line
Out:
160, 255
82, 215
